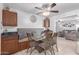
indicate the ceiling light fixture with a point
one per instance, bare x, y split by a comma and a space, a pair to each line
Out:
46, 13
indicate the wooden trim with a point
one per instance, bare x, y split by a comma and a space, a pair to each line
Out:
46, 22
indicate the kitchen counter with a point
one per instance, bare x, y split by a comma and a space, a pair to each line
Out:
22, 40
11, 43
8, 33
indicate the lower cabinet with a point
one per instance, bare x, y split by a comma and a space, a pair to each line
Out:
23, 45
9, 45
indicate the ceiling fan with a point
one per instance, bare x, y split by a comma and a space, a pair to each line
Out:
46, 9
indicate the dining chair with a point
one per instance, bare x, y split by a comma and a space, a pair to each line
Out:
49, 41
53, 42
34, 45
45, 44
32, 42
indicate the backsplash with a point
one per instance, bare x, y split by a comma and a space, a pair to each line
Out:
9, 29
36, 31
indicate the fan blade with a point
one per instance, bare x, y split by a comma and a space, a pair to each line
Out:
39, 13
38, 8
52, 5
54, 11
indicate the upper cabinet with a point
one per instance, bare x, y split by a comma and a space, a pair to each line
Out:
9, 18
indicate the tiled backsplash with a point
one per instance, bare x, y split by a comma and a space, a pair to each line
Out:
36, 31
9, 29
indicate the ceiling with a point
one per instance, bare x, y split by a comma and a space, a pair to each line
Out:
29, 7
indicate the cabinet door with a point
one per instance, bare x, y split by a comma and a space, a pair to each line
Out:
9, 45
9, 18
23, 45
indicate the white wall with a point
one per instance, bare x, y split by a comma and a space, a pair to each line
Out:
24, 20
54, 19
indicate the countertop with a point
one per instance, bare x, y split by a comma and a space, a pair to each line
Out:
22, 40
7, 34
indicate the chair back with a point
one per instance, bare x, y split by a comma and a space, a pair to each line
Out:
51, 38
32, 42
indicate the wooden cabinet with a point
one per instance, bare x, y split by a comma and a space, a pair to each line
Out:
23, 45
9, 44
9, 18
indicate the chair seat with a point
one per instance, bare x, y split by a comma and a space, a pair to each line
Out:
39, 49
